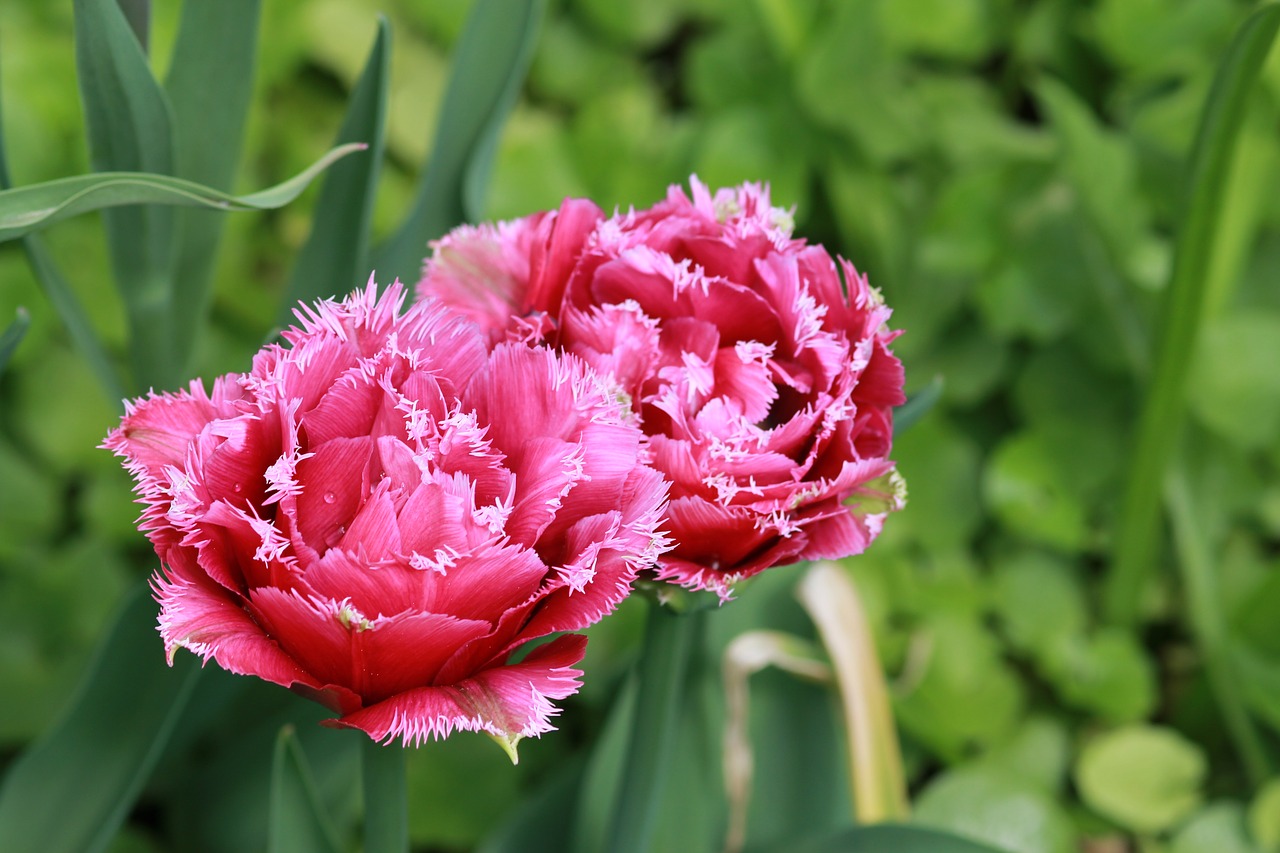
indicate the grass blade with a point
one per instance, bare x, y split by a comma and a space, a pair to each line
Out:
335, 258
917, 406
27, 209
489, 66
70, 791
1162, 411
209, 86
13, 336
129, 127
297, 821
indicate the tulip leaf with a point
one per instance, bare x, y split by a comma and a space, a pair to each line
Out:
335, 256
209, 86
489, 65
70, 791
25, 209
1220, 122
883, 838
130, 129
13, 336
298, 822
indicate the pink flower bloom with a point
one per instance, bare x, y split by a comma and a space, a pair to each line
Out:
759, 366
380, 514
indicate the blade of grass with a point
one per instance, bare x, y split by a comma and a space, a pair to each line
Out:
489, 66
297, 822
70, 791
209, 86
1204, 608
59, 293
129, 126
26, 209
336, 256
13, 336
1134, 551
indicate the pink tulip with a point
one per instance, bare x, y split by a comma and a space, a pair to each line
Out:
759, 367
379, 515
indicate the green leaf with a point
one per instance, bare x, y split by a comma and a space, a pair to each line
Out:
1137, 533
1234, 388
72, 790
209, 86
386, 804
489, 65
987, 804
334, 259
13, 336
130, 129
298, 822
1264, 817
25, 209
1145, 778
1220, 828
542, 823
883, 838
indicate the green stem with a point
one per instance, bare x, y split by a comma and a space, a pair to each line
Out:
1205, 613
1136, 537
386, 807
661, 670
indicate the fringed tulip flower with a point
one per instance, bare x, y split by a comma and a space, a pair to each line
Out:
381, 514
759, 366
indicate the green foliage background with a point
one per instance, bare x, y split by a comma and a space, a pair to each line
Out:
1009, 173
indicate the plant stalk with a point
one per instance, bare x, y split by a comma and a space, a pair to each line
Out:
386, 806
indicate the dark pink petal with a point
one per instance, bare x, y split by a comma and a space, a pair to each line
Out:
333, 486
508, 701
213, 624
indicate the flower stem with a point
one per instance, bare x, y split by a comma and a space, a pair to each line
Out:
669, 639
386, 808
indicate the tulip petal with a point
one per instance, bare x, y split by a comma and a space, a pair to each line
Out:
510, 701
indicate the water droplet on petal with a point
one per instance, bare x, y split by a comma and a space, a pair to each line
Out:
237, 488
329, 497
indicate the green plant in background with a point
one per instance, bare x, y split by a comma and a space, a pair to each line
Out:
1010, 173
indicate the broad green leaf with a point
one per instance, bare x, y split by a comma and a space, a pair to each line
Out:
1039, 600
209, 84
1264, 817
989, 804
489, 65
883, 838
334, 259
1219, 828
298, 822
1107, 673
1145, 778
962, 694
1136, 536
1234, 388
130, 129
71, 790
138, 14
25, 209
13, 336
459, 789
1024, 486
